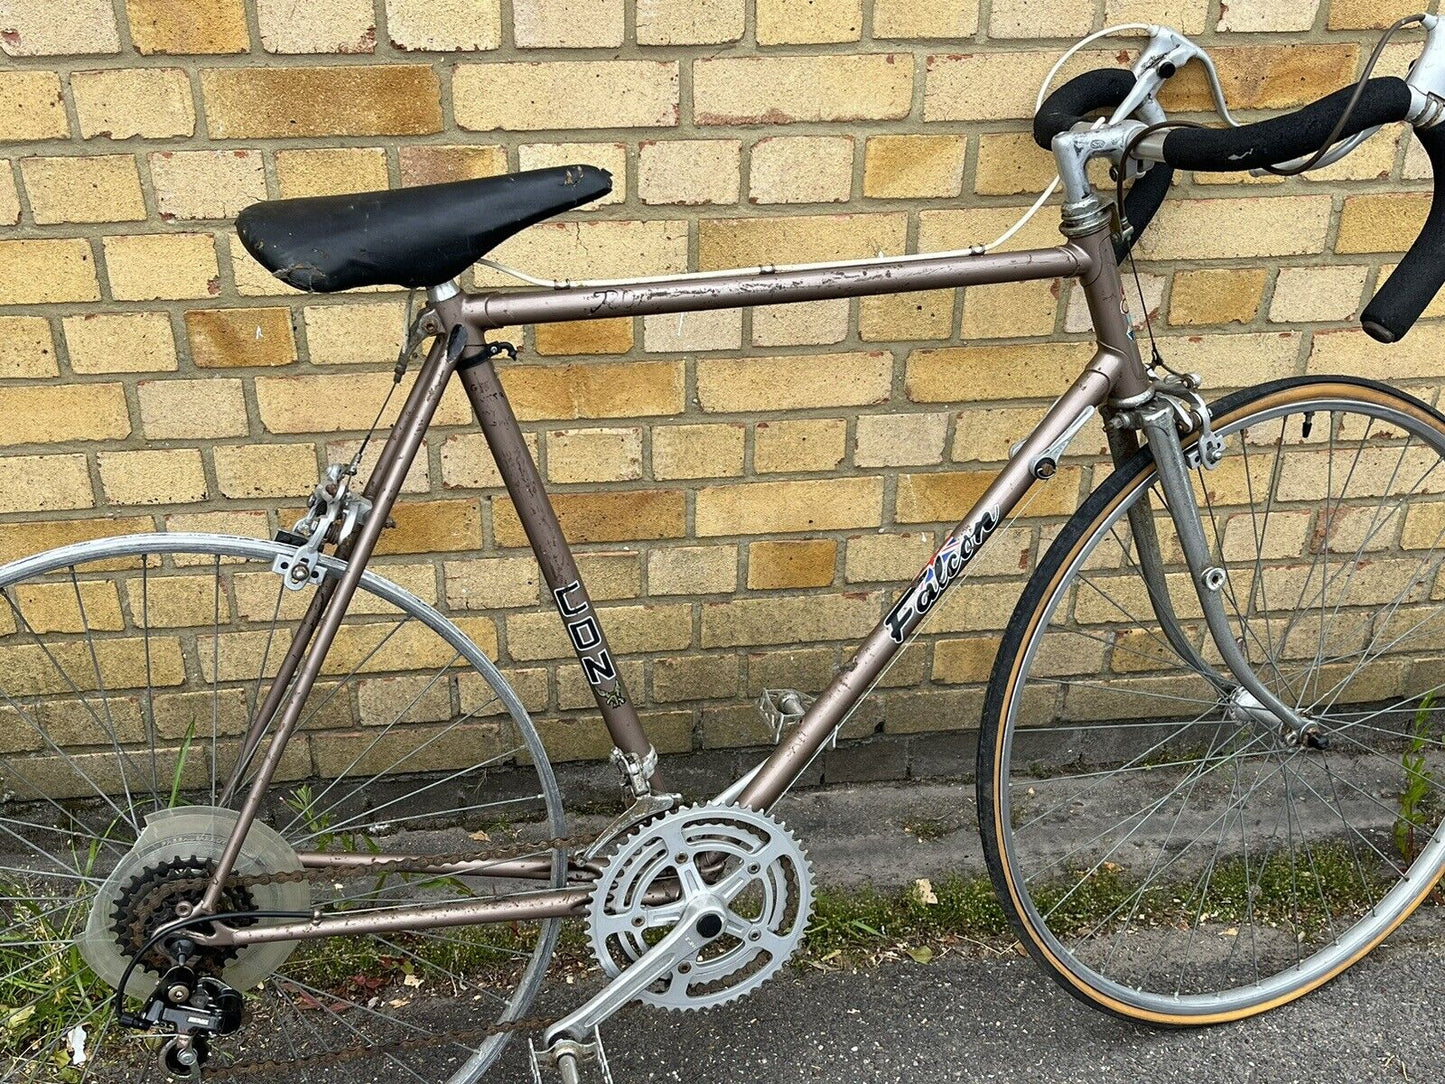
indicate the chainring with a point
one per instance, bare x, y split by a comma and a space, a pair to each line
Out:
769, 899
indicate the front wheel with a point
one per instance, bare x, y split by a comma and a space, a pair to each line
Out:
130, 669
1163, 852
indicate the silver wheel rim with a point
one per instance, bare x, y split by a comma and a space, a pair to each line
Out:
469, 1064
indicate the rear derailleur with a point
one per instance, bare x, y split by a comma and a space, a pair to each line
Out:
194, 1009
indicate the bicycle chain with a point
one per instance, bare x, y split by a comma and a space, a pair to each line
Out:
434, 863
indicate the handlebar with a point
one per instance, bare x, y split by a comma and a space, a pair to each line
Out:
1400, 301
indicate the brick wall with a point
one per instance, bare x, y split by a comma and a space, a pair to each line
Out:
742, 487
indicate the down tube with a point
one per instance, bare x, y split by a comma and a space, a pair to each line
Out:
793, 755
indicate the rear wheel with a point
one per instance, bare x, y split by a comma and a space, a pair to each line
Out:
129, 670
1162, 852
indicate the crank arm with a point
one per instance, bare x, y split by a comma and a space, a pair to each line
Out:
702, 921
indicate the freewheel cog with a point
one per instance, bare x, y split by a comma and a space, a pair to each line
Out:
748, 858
176, 847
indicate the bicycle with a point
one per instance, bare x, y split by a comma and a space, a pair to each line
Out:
1205, 767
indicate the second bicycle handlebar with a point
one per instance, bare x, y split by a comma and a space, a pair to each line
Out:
1400, 301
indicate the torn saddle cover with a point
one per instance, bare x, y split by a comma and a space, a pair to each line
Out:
414, 237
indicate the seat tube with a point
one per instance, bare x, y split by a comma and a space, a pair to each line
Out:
554, 557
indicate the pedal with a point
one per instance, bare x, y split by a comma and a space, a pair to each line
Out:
782, 708
569, 1057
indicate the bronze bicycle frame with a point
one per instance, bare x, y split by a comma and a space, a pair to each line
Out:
1115, 375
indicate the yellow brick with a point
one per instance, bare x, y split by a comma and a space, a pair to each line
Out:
44, 483
778, 90
206, 184
1384, 222
692, 570
492, 583
327, 171
337, 402
960, 662
1024, 18
694, 677
253, 280
752, 384
82, 26
467, 463
1235, 360
1265, 77
806, 323
1317, 293
594, 455
891, 557
26, 347
266, 470
584, 337
689, 22
347, 334
801, 169
594, 390
602, 517
814, 619
83, 189
429, 164
609, 156
130, 342
754, 242
328, 26
31, 104
1368, 14
444, 25
236, 338
986, 86
899, 317
119, 103
1010, 310
566, 94
960, 373
433, 527
592, 249
1187, 16
337, 100
40, 271
689, 172
153, 477
924, 18
188, 26
947, 497
418, 476
779, 507
809, 22
807, 444
697, 451
685, 332
187, 409
567, 24
611, 575
149, 267
913, 166
23, 539
792, 564
900, 440
1350, 350
1222, 228
1226, 295
9, 199
947, 231
1010, 163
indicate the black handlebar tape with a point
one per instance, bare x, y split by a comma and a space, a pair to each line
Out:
1142, 200
1104, 88
1415, 282
1279, 139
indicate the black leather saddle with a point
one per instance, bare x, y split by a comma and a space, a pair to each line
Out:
415, 237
